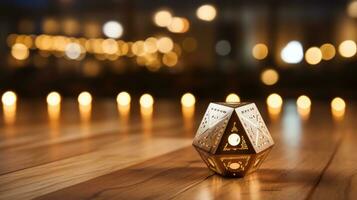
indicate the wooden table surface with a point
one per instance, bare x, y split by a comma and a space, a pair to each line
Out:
112, 156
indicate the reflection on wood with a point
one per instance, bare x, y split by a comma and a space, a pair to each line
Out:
311, 160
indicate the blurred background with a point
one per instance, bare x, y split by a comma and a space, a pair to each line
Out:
167, 48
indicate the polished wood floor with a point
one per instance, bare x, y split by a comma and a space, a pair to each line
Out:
106, 154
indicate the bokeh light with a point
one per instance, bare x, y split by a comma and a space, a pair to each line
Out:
347, 48
206, 12
313, 55
260, 51
113, 29
188, 100
269, 76
85, 98
53, 99
162, 18
223, 47
232, 98
303, 102
50, 26
338, 104
274, 101
292, 53
328, 51
123, 99
179, 25
338, 107
20, 51
170, 59
9, 98
352, 9
150, 45
110, 46
165, 44
146, 101
73, 51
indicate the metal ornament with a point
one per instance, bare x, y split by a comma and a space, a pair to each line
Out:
233, 139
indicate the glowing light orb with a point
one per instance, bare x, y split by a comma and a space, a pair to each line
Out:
9, 98
146, 100
274, 101
338, 104
313, 56
269, 77
123, 98
206, 12
84, 98
233, 139
303, 102
165, 44
20, 51
163, 18
292, 53
260, 51
188, 100
232, 98
328, 51
347, 48
113, 29
73, 51
53, 99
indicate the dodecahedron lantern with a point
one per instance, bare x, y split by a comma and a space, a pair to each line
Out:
233, 139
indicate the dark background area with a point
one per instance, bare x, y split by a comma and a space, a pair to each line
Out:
201, 71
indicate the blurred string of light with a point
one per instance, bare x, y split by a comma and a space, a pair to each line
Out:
274, 104
153, 52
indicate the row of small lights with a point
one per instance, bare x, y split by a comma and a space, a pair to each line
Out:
75, 48
147, 51
274, 100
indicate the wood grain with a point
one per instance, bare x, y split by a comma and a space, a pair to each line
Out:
106, 159
63, 173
